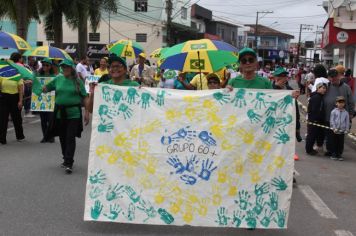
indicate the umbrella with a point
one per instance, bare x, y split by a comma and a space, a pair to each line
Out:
50, 52
8, 40
12, 71
158, 52
125, 48
199, 45
170, 74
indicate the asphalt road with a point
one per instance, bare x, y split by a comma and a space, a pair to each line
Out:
37, 198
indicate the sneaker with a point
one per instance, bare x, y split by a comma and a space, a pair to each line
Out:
51, 140
294, 180
68, 170
298, 137
328, 154
63, 165
312, 153
341, 158
29, 115
21, 140
334, 158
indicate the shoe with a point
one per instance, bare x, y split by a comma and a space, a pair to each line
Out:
68, 170
312, 153
29, 115
298, 137
334, 158
341, 158
328, 154
294, 180
51, 140
20, 140
3, 142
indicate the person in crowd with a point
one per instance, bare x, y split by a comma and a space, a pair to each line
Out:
185, 78
46, 116
321, 76
335, 89
55, 67
316, 115
103, 69
349, 80
309, 82
280, 76
82, 68
340, 124
67, 122
198, 82
213, 81
167, 82
11, 102
142, 72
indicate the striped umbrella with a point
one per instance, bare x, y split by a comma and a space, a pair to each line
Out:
8, 40
125, 48
50, 52
158, 52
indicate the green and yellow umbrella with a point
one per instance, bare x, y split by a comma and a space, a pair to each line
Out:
125, 48
50, 52
158, 52
8, 40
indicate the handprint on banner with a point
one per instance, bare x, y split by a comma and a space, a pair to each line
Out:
114, 192
191, 113
203, 206
238, 218
125, 110
285, 102
255, 158
206, 138
160, 97
247, 137
262, 145
115, 210
269, 124
260, 204
96, 210
261, 190
221, 97
216, 195
166, 217
131, 212
191, 163
183, 134
147, 208
105, 128
217, 130
282, 136
206, 169
251, 219
145, 100
213, 117
97, 178
284, 121
271, 110
244, 200
132, 194
239, 99
279, 161
95, 192
176, 164
223, 174
239, 166
226, 145
255, 176
279, 183
131, 95
172, 115
260, 101
176, 206
188, 214
106, 93
253, 116
188, 179
273, 201
209, 104
222, 216
122, 141
190, 99
267, 217
281, 218
105, 113
43, 106
117, 97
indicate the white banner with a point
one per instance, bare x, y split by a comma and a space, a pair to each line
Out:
201, 158
44, 102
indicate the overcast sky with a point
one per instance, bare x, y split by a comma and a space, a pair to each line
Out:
286, 17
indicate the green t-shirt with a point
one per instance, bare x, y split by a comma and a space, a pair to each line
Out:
126, 82
67, 94
256, 83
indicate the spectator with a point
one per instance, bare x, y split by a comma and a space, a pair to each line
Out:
82, 68
183, 80
103, 69
349, 80
320, 75
142, 73
213, 81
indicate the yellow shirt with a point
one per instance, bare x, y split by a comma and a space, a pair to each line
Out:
196, 82
98, 71
10, 86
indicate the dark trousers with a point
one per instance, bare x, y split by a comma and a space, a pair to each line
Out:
46, 118
315, 134
27, 98
8, 106
67, 133
337, 144
329, 139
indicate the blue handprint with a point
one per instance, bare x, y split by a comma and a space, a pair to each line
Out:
177, 164
33, 106
238, 218
188, 179
239, 99
285, 102
221, 97
279, 183
222, 216
131, 95
273, 201
191, 163
260, 100
205, 137
282, 136
260, 204
43, 106
145, 100
269, 124
206, 169
40, 98
183, 134
105, 128
95, 192
114, 212
253, 117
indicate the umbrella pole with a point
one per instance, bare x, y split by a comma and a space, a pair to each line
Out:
201, 83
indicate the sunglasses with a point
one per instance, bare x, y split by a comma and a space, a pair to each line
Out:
248, 59
213, 81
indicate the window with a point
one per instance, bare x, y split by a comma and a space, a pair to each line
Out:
184, 13
233, 36
222, 33
141, 38
141, 5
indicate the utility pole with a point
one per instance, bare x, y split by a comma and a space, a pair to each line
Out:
169, 8
319, 30
256, 27
109, 29
302, 27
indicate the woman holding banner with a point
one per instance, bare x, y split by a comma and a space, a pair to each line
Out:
67, 122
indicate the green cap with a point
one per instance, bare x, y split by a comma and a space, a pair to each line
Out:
47, 60
67, 62
280, 71
113, 58
246, 51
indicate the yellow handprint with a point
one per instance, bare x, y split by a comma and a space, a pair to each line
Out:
216, 196
176, 206
279, 162
102, 150
203, 207
190, 99
129, 172
129, 158
146, 182
263, 145
271, 168
121, 141
212, 117
154, 125
255, 157
112, 159
151, 165
134, 133
226, 145
222, 174
247, 137
143, 146
190, 113
188, 214
239, 166
231, 121
255, 176
173, 115
209, 104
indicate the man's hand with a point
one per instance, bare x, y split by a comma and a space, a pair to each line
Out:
229, 88
295, 94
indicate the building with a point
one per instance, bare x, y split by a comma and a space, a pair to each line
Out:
272, 45
226, 31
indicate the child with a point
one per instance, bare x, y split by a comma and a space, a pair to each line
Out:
340, 123
316, 114
213, 81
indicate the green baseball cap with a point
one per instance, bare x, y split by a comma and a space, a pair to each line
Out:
67, 62
247, 51
47, 60
280, 71
113, 58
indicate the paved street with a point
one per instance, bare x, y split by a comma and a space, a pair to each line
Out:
37, 198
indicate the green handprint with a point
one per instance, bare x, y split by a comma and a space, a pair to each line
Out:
282, 136
266, 220
254, 117
106, 93
281, 218
127, 111
131, 95
238, 218
239, 98
259, 100
160, 97
284, 121
243, 201
273, 201
131, 193
98, 178
96, 210
221, 97
260, 204
131, 212
285, 102
117, 97
251, 219
104, 113
222, 216
260, 190
114, 212
271, 110
95, 192
115, 192
165, 216
279, 183
269, 124
145, 100
147, 208
102, 128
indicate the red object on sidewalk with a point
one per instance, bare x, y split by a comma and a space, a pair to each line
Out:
296, 157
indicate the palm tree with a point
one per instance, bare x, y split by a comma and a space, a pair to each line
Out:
21, 12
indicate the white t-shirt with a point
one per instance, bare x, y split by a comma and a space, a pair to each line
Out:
320, 80
82, 69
